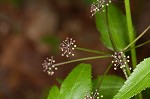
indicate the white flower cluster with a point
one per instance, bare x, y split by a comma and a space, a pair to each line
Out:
99, 5
67, 47
120, 60
93, 95
48, 65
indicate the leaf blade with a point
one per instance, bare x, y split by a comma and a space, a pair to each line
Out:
117, 25
110, 85
53, 93
138, 81
77, 83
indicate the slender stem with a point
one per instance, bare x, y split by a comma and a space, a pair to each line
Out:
81, 59
91, 51
125, 73
110, 33
131, 32
137, 38
138, 45
101, 80
126, 69
131, 37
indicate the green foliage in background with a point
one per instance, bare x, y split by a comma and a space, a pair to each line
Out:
52, 41
75, 86
79, 81
117, 25
110, 85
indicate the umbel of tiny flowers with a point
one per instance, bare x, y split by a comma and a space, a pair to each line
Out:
67, 47
93, 95
120, 60
99, 5
48, 65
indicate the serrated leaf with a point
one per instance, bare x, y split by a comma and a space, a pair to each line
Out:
109, 87
117, 25
138, 81
77, 83
53, 93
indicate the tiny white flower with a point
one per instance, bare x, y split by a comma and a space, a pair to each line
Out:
99, 5
67, 47
49, 66
120, 60
93, 95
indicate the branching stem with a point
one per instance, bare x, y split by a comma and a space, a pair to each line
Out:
91, 51
137, 38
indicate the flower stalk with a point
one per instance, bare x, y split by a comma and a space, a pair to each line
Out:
131, 37
130, 32
50, 66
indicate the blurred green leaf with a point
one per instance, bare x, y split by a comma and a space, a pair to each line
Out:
117, 25
59, 80
109, 86
77, 83
53, 93
52, 41
87, 2
16, 3
138, 81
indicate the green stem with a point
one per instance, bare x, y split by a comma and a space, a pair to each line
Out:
101, 80
81, 59
138, 45
110, 33
137, 38
91, 51
131, 32
105, 19
126, 69
131, 37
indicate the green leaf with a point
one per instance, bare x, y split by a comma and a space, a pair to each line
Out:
88, 2
77, 83
52, 41
138, 81
109, 87
59, 80
117, 25
17, 3
54, 93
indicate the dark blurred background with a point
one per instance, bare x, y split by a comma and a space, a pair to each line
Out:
31, 30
